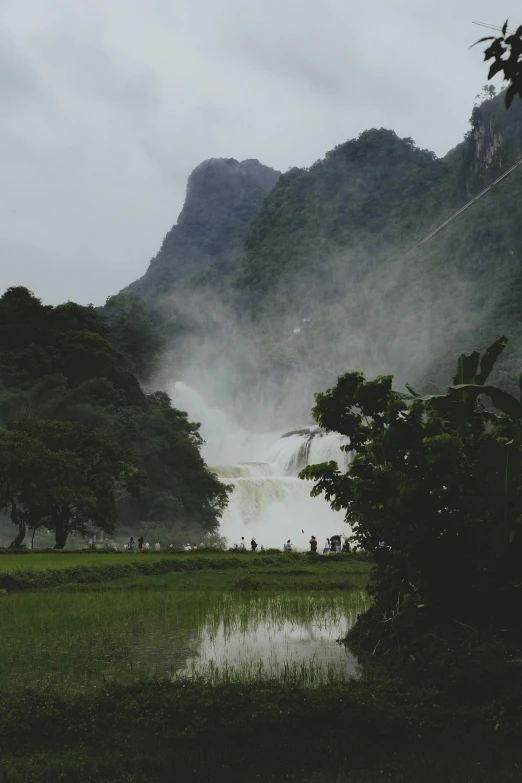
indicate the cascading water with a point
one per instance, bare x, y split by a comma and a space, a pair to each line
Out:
268, 502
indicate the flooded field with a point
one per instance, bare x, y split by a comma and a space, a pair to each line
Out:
74, 641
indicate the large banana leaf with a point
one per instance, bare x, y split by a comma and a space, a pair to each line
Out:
502, 400
489, 359
467, 368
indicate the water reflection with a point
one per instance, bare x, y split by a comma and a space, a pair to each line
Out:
251, 636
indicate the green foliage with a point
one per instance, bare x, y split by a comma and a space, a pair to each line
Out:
434, 490
506, 53
133, 332
59, 367
63, 475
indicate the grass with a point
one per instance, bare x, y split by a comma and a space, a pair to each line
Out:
117, 668
72, 642
190, 730
40, 561
220, 569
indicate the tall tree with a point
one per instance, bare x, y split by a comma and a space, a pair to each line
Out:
63, 473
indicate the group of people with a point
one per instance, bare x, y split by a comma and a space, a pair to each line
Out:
92, 540
143, 546
253, 545
131, 546
332, 544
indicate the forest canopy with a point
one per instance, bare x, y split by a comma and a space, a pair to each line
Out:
67, 370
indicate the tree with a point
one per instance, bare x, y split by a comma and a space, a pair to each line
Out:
62, 364
62, 473
434, 490
506, 53
182, 490
22, 458
133, 331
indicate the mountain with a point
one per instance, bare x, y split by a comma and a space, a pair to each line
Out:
222, 197
330, 274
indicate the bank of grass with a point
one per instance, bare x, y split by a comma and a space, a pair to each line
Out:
213, 569
361, 732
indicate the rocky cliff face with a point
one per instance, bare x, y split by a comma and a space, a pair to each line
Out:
222, 197
493, 144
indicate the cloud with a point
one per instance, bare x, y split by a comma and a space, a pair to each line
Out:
107, 107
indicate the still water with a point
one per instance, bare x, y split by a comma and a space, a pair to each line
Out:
77, 640
281, 636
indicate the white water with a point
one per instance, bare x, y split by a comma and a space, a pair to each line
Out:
268, 502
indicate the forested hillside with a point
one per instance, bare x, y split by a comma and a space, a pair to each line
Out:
66, 391
329, 276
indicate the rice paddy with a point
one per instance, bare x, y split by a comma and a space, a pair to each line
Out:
117, 668
74, 641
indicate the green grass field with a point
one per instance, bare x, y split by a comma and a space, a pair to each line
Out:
39, 561
119, 668
216, 570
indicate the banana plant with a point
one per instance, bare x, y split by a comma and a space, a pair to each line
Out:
469, 383
459, 407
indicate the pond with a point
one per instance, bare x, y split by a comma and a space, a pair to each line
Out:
75, 640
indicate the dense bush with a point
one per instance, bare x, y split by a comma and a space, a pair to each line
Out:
434, 493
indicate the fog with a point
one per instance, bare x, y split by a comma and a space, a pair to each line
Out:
401, 317
248, 382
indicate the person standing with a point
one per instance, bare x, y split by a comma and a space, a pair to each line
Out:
242, 544
140, 543
131, 544
253, 545
288, 546
313, 544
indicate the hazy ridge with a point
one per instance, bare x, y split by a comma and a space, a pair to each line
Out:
325, 252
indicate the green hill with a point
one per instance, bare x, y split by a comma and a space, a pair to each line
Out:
329, 278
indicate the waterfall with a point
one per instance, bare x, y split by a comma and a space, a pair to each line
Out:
268, 501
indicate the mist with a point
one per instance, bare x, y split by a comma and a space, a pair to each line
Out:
397, 318
249, 381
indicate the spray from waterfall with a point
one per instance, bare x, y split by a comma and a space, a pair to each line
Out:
268, 502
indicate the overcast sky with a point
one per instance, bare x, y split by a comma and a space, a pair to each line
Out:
107, 106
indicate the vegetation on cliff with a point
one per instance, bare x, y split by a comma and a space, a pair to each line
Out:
330, 270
